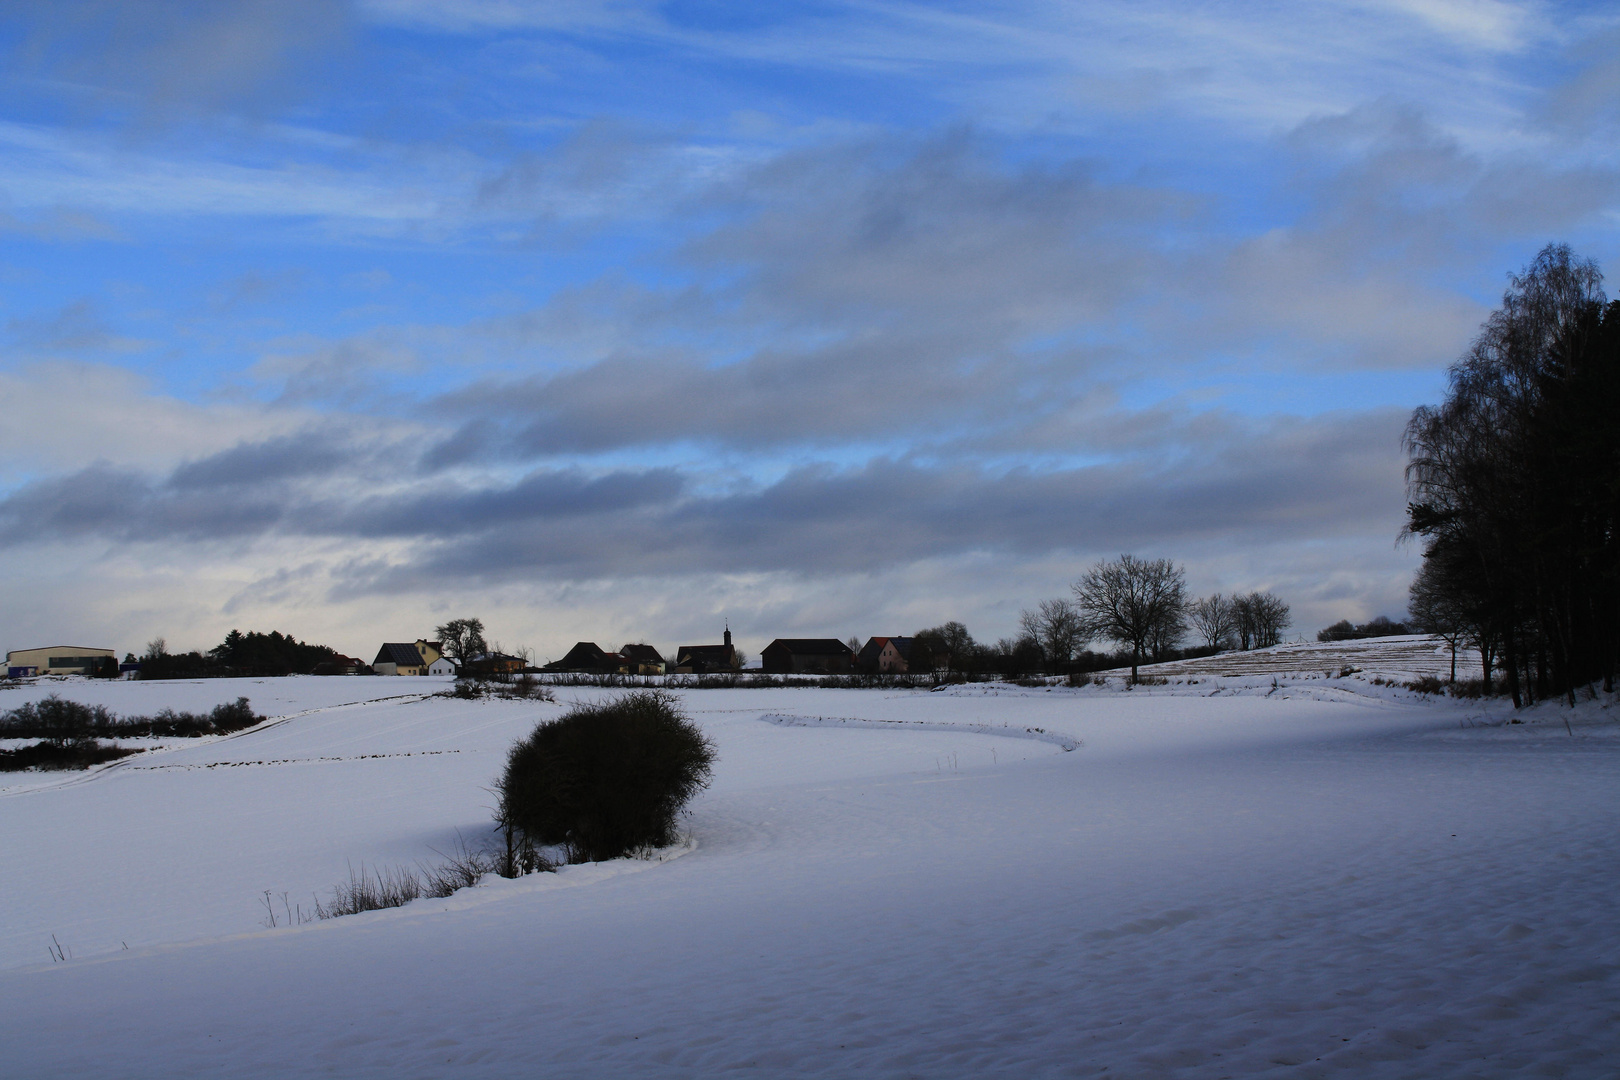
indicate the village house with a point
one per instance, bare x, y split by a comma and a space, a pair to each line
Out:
885, 655
342, 665
588, 658
704, 659
642, 660
495, 664
808, 656
397, 658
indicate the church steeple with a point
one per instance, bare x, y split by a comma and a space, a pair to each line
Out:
728, 635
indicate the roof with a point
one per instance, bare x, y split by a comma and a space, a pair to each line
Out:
401, 653
48, 648
584, 652
642, 654
703, 650
812, 646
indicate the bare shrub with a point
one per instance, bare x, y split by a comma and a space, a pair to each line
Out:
371, 892
1427, 684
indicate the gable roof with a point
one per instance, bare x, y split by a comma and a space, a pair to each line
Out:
703, 650
641, 654
401, 653
584, 654
812, 646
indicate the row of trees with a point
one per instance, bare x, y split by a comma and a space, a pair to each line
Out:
1379, 626
1514, 487
252, 653
1142, 605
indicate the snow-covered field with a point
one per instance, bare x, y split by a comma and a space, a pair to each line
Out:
1210, 878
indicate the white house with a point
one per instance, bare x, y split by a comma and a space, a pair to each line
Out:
442, 666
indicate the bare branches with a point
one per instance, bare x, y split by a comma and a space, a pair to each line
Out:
1510, 481
1214, 618
1058, 627
1136, 602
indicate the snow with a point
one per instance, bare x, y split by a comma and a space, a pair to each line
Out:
1215, 877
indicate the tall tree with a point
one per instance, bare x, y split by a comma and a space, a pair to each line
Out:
1214, 620
1058, 627
948, 645
1514, 480
462, 639
1136, 602
1260, 619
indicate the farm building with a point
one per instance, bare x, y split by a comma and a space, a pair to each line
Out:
699, 659
810, 656
399, 658
56, 660
586, 656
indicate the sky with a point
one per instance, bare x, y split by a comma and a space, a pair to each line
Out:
626, 321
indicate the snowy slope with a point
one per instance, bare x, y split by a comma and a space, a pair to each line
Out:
884, 884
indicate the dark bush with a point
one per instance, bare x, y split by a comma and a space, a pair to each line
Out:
55, 757
58, 722
66, 722
604, 780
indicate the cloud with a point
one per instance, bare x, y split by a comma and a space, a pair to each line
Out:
62, 417
1269, 483
1588, 101
78, 327
286, 457
59, 224
157, 62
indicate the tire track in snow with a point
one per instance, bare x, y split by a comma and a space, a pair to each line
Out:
1063, 742
291, 761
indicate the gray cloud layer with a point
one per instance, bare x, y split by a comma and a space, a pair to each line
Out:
1263, 483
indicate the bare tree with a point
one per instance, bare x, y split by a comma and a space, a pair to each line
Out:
1057, 626
1435, 611
1136, 602
1274, 617
462, 639
1262, 618
1215, 620
948, 646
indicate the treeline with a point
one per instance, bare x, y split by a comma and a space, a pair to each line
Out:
1142, 605
238, 655
1514, 486
948, 649
63, 722
69, 731
1379, 626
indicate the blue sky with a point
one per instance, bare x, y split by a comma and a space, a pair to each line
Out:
619, 320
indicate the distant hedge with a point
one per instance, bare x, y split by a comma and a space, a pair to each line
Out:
62, 722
